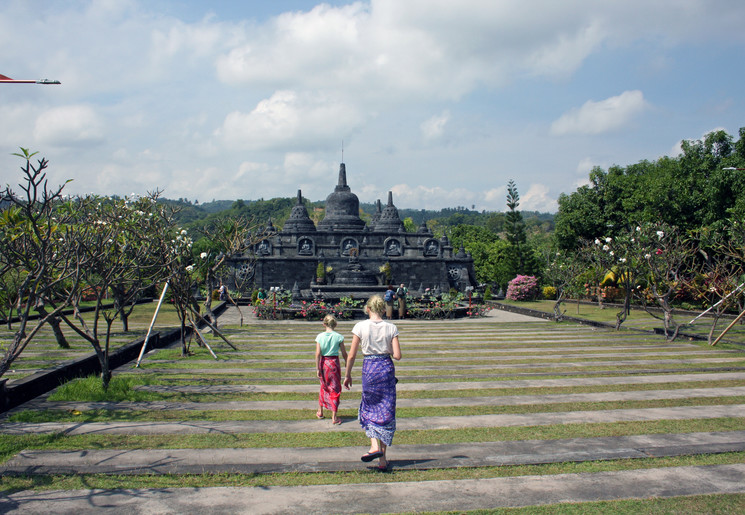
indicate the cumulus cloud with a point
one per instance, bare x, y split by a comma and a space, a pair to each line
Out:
264, 96
69, 126
537, 199
496, 196
429, 197
599, 117
584, 167
432, 49
434, 127
289, 119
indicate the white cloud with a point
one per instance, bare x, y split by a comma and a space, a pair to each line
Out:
537, 199
434, 127
287, 120
72, 125
495, 196
165, 93
427, 197
599, 117
584, 167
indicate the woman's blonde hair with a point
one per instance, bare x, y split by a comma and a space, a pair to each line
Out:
376, 304
329, 321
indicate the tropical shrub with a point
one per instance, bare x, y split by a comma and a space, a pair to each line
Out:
549, 292
523, 287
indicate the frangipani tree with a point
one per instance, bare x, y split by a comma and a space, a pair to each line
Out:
120, 253
38, 257
562, 272
668, 255
622, 256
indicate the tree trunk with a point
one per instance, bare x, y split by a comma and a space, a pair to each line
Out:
106, 377
54, 323
184, 350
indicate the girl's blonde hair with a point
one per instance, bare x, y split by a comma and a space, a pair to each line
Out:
329, 321
376, 304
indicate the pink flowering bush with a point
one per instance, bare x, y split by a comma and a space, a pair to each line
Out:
523, 287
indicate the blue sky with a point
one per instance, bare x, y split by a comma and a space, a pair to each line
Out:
441, 102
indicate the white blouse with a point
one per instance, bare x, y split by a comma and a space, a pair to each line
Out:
376, 336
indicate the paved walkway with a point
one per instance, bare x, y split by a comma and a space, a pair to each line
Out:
388, 497
691, 372
338, 459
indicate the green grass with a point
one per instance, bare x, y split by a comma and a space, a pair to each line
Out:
9, 484
283, 336
638, 319
12, 444
122, 388
103, 415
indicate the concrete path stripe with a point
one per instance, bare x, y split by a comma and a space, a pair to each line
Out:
338, 459
304, 382
215, 365
521, 351
451, 495
413, 362
403, 371
410, 378
506, 400
402, 424
508, 383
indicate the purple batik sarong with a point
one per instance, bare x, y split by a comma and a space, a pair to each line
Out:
377, 413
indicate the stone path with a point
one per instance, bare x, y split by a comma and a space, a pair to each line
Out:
408, 457
550, 362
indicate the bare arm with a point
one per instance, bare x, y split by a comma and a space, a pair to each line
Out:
396, 348
343, 351
350, 361
319, 370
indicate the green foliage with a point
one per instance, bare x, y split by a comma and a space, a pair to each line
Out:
409, 225
489, 252
696, 189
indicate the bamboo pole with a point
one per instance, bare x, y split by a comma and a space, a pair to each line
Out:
728, 328
150, 329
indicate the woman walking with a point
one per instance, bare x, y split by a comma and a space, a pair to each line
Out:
328, 345
378, 340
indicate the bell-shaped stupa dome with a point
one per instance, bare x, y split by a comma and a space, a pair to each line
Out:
299, 220
389, 220
342, 208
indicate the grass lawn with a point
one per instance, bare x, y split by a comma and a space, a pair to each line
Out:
639, 318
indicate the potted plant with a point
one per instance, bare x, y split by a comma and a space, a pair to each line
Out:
321, 274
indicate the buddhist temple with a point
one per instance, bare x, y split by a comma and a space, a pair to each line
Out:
358, 258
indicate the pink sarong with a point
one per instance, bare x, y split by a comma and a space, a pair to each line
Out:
328, 397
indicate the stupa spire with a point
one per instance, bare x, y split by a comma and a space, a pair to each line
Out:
342, 186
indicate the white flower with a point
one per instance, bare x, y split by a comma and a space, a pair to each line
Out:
660, 234
183, 232
203, 255
190, 268
621, 260
638, 229
608, 239
611, 252
647, 256
597, 241
606, 247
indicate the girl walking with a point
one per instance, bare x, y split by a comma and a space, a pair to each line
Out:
328, 345
378, 340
